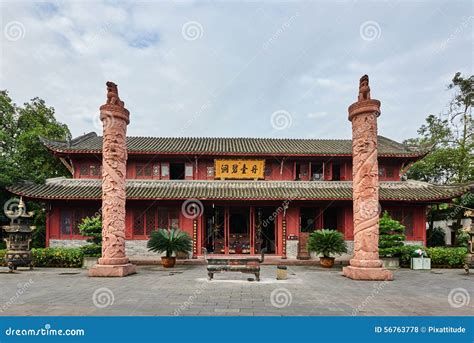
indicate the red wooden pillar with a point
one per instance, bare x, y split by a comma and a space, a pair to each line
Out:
252, 230
226, 230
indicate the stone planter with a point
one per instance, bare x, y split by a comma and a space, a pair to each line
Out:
391, 262
89, 262
420, 263
326, 262
168, 262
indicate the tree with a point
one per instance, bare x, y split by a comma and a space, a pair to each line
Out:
449, 138
91, 227
391, 237
22, 156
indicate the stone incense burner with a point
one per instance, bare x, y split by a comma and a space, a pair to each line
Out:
18, 238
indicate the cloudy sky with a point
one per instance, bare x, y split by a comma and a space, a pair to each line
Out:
235, 68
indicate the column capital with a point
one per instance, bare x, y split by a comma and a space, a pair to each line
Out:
364, 104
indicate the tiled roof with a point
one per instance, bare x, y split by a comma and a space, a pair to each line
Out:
62, 188
91, 143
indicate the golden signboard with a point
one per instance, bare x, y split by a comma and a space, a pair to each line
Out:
239, 169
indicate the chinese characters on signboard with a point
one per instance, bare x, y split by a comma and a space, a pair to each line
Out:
239, 169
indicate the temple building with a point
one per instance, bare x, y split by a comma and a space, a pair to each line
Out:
232, 195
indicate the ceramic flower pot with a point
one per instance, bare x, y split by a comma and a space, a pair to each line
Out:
326, 262
168, 262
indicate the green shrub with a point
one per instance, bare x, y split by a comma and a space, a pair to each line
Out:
462, 239
57, 257
447, 257
91, 227
91, 250
2, 258
53, 257
435, 237
391, 236
327, 242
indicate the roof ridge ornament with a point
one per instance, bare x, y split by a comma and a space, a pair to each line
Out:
112, 95
364, 89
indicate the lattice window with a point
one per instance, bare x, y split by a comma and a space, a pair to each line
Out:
150, 221
66, 222
138, 223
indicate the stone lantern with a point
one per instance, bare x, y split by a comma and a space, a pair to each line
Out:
18, 237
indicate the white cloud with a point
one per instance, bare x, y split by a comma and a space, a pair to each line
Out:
230, 80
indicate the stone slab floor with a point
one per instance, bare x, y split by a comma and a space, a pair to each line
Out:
185, 290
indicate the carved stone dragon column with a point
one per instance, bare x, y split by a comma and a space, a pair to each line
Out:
365, 265
115, 118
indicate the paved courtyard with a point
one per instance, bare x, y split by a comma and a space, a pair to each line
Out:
185, 290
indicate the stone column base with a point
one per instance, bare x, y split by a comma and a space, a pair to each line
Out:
107, 270
370, 274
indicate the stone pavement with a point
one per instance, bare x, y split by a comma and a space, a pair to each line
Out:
185, 290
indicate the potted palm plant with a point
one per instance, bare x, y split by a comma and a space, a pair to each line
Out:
170, 242
327, 243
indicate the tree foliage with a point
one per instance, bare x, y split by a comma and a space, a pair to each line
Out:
449, 138
22, 156
391, 237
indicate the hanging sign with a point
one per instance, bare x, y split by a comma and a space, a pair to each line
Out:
239, 169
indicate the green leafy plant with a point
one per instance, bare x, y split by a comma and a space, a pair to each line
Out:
327, 242
447, 257
91, 227
57, 257
53, 257
440, 256
462, 239
170, 241
391, 236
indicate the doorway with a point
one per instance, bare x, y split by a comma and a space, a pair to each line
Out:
265, 236
239, 231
